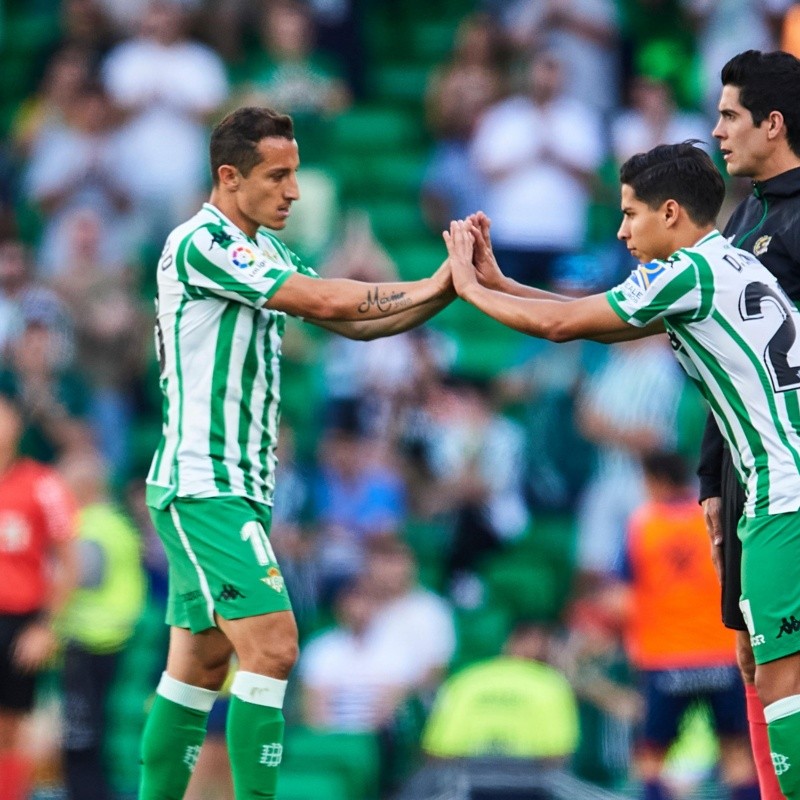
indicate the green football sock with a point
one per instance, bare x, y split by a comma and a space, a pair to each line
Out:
173, 735
255, 734
783, 727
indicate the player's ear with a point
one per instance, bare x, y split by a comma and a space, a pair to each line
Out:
775, 124
228, 177
670, 212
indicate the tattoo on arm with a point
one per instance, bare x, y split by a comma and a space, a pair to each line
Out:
386, 302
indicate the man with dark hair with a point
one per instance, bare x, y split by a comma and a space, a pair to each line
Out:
759, 135
225, 284
733, 330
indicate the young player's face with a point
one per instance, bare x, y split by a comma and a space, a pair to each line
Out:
744, 146
643, 230
266, 195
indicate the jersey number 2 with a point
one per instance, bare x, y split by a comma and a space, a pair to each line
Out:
784, 376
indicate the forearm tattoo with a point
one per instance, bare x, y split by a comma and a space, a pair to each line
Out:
386, 302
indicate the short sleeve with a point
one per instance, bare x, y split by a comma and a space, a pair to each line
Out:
225, 266
58, 506
660, 289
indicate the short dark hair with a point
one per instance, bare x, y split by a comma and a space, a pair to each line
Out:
235, 138
680, 172
768, 82
666, 466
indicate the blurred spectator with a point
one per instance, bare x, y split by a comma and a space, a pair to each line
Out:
66, 74
368, 378
358, 497
25, 298
583, 34
628, 409
673, 632
473, 460
96, 624
653, 119
513, 705
112, 333
76, 166
38, 571
168, 86
351, 680
538, 152
290, 533
287, 73
85, 25
457, 95
724, 28
340, 34
54, 399
790, 32
592, 657
406, 612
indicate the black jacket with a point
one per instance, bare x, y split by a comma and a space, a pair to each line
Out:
766, 224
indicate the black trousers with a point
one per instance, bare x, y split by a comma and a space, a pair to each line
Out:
87, 682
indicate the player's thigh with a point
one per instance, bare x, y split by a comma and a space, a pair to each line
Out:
221, 561
199, 659
771, 584
266, 644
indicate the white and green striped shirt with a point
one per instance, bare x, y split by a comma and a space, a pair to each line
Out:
219, 351
734, 331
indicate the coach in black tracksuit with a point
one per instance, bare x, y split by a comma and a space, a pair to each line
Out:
766, 224
759, 136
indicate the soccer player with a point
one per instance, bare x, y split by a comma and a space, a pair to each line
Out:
225, 284
734, 331
38, 572
759, 135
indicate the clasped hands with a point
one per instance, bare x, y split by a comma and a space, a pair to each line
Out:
469, 249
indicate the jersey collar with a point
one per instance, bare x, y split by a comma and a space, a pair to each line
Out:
784, 185
222, 218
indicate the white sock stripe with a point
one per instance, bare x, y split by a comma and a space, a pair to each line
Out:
784, 707
184, 694
258, 689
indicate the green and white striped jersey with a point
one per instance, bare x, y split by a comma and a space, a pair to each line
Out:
734, 331
219, 352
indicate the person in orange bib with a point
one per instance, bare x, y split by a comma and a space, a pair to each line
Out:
673, 635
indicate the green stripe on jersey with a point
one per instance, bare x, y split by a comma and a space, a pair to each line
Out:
249, 371
219, 388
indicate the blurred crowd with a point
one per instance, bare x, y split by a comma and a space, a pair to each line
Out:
429, 515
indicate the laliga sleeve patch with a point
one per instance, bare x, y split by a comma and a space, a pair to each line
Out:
245, 258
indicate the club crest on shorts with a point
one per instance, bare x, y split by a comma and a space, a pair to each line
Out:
274, 579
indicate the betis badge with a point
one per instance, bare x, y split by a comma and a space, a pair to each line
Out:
274, 579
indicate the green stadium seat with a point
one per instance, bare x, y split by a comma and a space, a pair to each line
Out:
310, 785
375, 129
401, 82
480, 633
396, 220
530, 590
417, 259
353, 756
432, 41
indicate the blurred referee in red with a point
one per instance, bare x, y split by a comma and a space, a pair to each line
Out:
38, 570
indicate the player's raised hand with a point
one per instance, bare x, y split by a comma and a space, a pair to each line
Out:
460, 245
486, 266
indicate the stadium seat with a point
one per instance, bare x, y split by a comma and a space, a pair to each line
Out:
353, 756
375, 129
481, 633
311, 784
401, 82
418, 259
528, 589
395, 220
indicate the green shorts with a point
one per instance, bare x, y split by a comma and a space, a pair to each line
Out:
771, 584
220, 561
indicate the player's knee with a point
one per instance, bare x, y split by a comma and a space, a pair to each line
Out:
745, 658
